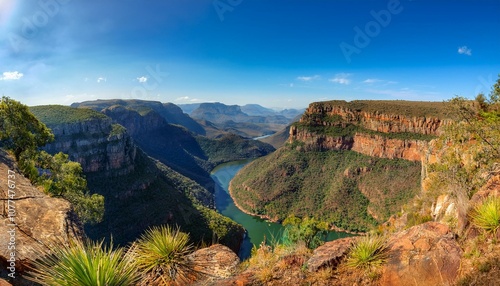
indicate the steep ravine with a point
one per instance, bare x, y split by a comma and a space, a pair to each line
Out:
139, 191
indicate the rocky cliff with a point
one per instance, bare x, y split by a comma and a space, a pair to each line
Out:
93, 140
38, 220
400, 130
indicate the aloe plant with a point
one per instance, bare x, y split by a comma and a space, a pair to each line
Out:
84, 263
369, 251
161, 256
486, 215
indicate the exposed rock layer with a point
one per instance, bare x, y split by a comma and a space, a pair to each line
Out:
97, 144
329, 114
38, 220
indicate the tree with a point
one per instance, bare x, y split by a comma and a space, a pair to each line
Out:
23, 134
309, 230
20, 130
64, 178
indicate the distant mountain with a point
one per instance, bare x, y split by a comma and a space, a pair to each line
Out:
188, 108
292, 113
220, 113
257, 110
218, 119
279, 138
172, 113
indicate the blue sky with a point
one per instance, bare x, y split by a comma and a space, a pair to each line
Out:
276, 53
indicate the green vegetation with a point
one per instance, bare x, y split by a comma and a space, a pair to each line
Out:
470, 150
232, 148
24, 134
152, 195
307, 230
161, 256
117, 129
486, 215
86, 264
158, 257
58, 114
344, 188
20, 130
368, 252
65, 179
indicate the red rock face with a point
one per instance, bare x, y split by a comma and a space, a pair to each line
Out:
382, 122
425, 254
378, 146
368, 144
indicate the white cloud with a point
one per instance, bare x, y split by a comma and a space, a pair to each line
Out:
13, 75
381, 81
341, 78
101, 79
308, 78
187, 98
372, 80
464, 50
142, 79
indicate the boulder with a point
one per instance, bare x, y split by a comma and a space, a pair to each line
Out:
425, 254
215, 262
330, 254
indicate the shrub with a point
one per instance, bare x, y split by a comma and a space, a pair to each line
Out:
161, 256
370, 251
85, 264
486, 215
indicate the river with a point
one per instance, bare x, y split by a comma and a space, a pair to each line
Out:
256, 227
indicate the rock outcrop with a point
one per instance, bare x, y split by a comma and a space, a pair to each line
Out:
394, 121
330, 254
425, 254
38, 220
215, 262
370, 132
97, 144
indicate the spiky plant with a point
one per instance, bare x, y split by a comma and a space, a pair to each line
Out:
369, 251
486, 215
84, 263
161, 256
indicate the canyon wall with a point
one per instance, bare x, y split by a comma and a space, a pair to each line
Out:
97, 144
373, 133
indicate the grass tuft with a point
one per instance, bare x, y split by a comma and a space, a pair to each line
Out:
370, 251
84, 263
486, 215
161, 256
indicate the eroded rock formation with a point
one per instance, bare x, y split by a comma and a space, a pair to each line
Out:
38, 221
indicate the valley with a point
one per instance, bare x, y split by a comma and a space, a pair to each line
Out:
343, 170
249, 143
